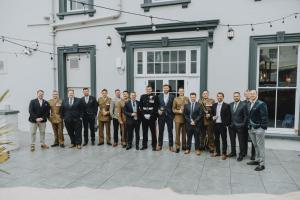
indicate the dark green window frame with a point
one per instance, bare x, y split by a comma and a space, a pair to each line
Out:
148, 4
63, 10
62, 71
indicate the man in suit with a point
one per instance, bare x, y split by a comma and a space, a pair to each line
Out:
193, 115
119, 109
149, 107
207, 136
257, 125
71, 112
165, 116
132, 112
221, 116
38, 113
114, 116
104, 117
90, 109
247, 102
56, 120
239, 117
180, 129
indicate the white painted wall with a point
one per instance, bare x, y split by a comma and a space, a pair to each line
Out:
227, 60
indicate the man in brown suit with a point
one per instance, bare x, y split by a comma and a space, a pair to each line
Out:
207, 136
104, 117
56, 121
122, 117
178, 108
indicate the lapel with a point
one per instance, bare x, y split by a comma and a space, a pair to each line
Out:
162, 99
253, 107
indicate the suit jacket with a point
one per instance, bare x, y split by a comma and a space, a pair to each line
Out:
168, 108
258, 115
55, 106
178, 104
239, 118
91, 108
149, 105
38, 111
71, 112
225, 113
119, 110
128, 110
104, 104
196, 116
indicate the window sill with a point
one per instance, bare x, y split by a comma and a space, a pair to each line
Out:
147, 6
90, 12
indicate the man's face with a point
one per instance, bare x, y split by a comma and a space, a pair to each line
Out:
86, 92
71, 94
55, 95
166, 89
205, 95
181, 92
125, 95
104, 94
149, 90
118, 93
247, 94
133, 96
220, 98
40, 95
253, 95
193, 98
236, 97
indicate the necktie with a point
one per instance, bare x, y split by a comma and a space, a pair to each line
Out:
193, 106
234, 107
133, 106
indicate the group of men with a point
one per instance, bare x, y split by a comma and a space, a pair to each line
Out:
204, 120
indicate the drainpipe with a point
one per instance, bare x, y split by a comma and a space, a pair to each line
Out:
54, 45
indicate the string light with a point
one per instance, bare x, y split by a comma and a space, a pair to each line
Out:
252, 28
283, 20
270, 25
152, 24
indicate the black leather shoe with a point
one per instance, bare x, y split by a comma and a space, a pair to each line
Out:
62, 145
137, 148
99, 144
93, 143
259, 168
54, 145
231, 155
183, 148
108, 143
177, 151
154, 149
240, 158
143, 148
128, 147
84, 144
123, 146
252, 163
252, 157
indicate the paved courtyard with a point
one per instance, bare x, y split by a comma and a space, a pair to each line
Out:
108, 167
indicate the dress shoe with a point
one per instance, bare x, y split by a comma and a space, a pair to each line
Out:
84, 144
115, 144
159, 148
171, 149
215, 155
177, 150
78, 146
109, 144
143, 148
154, 149
72, 146
54, 145
224, 157
32, 148
187, 151
259, 168
44, 146
128, 147
124, 146
198, 152
137, 148
253, 162
93, 143
62, 145
252, 157
99, 144
183, 148
240, 158
231, 155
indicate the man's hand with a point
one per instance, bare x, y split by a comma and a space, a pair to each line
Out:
39, 119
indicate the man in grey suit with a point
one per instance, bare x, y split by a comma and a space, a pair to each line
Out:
239, 116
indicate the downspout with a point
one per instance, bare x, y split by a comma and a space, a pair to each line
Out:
54, 56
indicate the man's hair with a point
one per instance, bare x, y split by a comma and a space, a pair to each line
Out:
55, 91
193, 94
125, 91
236, 92
180, 88
133, 92
166, 85
85, 88
247, 90
149, 86
104, 90
205, 91
220, 93
116, 90
40, 91
70, 89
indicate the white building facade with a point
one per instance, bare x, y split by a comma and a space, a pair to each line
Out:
94, 45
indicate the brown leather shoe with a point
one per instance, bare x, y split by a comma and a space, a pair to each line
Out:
187, 152
158, 148
78, 146
224, 157
32, 148
198, 152
44, 146
72, 146
214, 155
171, 149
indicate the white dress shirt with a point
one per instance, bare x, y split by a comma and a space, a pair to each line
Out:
218, 114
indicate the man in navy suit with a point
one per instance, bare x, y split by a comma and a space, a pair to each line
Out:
132, 112
193, 115
71, 112
165, 116
257, 125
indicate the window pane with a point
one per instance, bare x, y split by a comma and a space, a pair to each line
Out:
172, 84
166, 56
268, 96
288, 66
140, 56
166, 68
158, 56
193, 67
140, 69
180, 83
159, 86
193, 55
182, 67
173, 56
150, 56
173, 68
152, 84
268, 66
286, 108
157, 68
182, 56
150, 68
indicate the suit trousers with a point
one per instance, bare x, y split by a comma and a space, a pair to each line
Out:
180, 131
146, 124
101, 130
220, 130
58, 132
239, 132
89, 123
33, 129
258, 138
162, 120
133, 127
193, 131
207, 131
116, 126
74, 129
123, 133
247, 139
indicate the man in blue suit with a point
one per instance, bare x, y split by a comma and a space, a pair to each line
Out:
257, 125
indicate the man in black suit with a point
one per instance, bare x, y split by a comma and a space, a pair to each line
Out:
71, 112
90, 109
165, 116
257, 125
39, 111
132, 112
221, 116
149, 107
193, 115
239, 117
